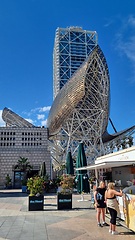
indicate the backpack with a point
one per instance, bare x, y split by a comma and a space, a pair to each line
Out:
99, 196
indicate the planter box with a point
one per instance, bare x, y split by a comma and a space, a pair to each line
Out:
64, 201
36, 203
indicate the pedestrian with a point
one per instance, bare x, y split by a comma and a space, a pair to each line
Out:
112, 205
99, 197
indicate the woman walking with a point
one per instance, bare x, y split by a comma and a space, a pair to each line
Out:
99, 197
113, 207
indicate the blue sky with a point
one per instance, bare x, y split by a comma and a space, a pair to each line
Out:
27, 31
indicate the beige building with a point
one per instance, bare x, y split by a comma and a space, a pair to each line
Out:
20, 138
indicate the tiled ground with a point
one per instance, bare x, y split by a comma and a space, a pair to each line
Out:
17, 223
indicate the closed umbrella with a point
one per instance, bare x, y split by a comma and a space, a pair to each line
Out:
69, 164
42, 172
82, 177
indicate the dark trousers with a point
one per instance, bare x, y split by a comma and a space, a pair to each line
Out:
113, 214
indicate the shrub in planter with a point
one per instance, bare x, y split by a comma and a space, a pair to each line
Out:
35, 185
64, 196
67, 183
36, 198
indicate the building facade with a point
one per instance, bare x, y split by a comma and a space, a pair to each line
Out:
22, 141
71, 47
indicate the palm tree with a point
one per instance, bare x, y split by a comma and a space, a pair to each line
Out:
24, 166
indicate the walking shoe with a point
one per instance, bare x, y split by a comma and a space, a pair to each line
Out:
110, 231
99, 225
105, 224
115, 233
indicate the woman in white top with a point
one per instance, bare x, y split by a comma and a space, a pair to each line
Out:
112, 204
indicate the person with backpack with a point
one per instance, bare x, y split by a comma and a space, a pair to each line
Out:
99, 197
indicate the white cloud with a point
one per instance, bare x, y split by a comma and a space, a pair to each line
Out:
131, 20
44, 123
2, 123
38, 109
29, 120
109, 22
45, 109
126, 38
125, 41
127, 47
37, 116
40, 116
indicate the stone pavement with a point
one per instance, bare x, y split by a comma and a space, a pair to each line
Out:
17, 223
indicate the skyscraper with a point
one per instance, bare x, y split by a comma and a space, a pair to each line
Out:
72, 46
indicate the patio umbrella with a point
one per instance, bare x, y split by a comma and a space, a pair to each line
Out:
69, 164
82, 177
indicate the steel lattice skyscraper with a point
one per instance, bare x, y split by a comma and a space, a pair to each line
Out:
72, 46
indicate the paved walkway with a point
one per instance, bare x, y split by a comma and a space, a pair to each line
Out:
17, 223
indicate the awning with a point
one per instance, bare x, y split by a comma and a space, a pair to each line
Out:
107, 165
121, 158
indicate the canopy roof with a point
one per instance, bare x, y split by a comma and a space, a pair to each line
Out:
121, 158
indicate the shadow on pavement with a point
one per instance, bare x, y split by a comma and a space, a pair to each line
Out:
12, 194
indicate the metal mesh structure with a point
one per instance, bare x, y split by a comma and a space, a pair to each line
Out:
81, 87
12, 119
80, 110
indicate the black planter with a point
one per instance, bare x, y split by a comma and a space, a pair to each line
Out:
64, 201
36, 203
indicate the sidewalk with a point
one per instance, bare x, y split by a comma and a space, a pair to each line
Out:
17, 223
